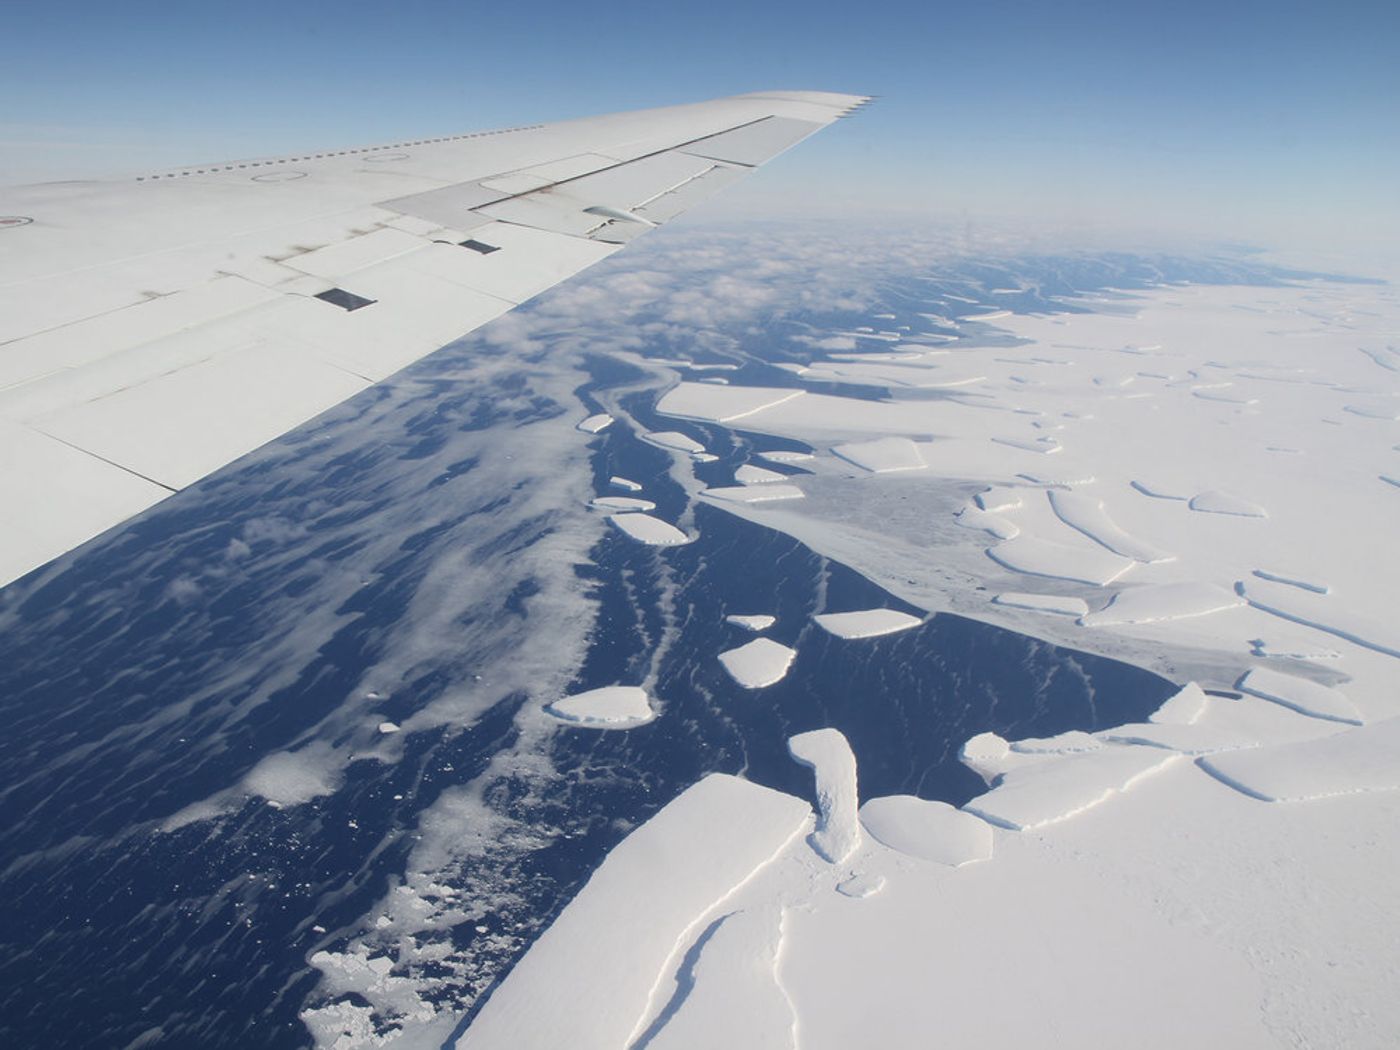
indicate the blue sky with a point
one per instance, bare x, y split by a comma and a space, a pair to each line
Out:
1272, 122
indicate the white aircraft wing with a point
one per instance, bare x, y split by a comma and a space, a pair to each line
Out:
154, 329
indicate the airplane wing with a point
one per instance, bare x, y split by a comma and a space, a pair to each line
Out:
154, 329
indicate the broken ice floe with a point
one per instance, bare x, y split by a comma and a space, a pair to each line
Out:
595, 424
674, 440
1055, 789
1051, 603
760, 663
1300, 694
1086, 514
829, 756
929, 830
883, 455
753, 623
866, 623
599, 962
1038, 557
622, 503
610, 707
1150, 603
749, 474
1348, 763
753, 493
645, 529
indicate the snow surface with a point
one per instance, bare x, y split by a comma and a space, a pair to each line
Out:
829, 756
674, 440
595, 424
1065, 605
645, 529
623, 503
1140, 893
1060, 561
928, 830
591, 979
1300, 694
754, 493
883, 455
610, 707
1359, 760
1149, 603
866, 623
762, 662
748, 474
755, 622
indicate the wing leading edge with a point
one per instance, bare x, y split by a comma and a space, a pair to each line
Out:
140, 320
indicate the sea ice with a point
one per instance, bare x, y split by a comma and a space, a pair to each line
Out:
998, 499
1158, 491
1087, 515
928, 830
601, 961
1353, 761
751, 623
730, 995
784, 456
829, 756
1046, 792
593, 424
867, 623
1288, 604
1039, 557
1051, 603
883, 455
611, 707
986, 755
1187, 739
1182, 708
645, 529
754, 493
1216, 502
623, 503
1067, 743
861, 886
1150, 603
1292, 580
760, 663
993, 524
720, 404
674, 440
1300, 694
749, 474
